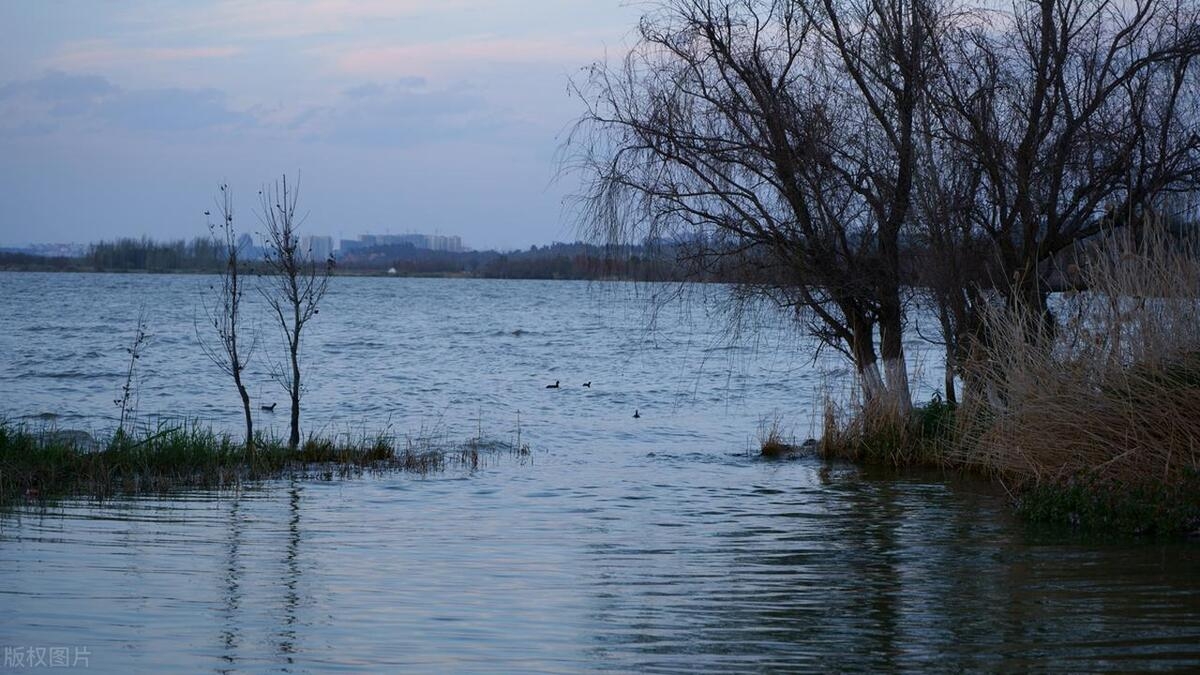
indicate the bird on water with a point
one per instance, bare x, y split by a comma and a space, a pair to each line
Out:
588, 384
636, 414
269, 408
553, 386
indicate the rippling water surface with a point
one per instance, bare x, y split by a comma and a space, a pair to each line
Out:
658, 544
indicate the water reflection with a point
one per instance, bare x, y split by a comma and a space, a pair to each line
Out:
239, 625
655, 564
291, 578
233, 575
885, 575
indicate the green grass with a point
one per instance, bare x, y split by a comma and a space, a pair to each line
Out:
45, 465
1161, 509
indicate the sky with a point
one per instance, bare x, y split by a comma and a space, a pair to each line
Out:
429, 116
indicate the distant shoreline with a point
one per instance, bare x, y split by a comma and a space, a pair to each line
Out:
575, 261
343, 273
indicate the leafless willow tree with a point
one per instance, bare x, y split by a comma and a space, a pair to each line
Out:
1078, 115
836, 153
1051, 122
779, 138
224, 311
293, 287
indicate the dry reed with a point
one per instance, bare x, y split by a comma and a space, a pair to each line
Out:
1114, 395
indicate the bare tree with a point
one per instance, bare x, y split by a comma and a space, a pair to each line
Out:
294, 285
224, 313
127, 403
777, 138
1078, 115
1047, 124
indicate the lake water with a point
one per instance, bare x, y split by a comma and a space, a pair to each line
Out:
659, 544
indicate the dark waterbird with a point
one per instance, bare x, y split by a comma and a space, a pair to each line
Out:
636, 414
270, 408
588, 384
553, 386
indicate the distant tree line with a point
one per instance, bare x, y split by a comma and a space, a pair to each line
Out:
554, 261
11, 260
145, 254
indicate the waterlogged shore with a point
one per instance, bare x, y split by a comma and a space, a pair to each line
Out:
1125, 502
49, 465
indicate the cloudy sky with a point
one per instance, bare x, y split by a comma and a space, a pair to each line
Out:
119, 119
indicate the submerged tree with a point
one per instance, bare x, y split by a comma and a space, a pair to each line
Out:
225, 312
843, 156
1049, 123
294, 285
1077, 116
777, 138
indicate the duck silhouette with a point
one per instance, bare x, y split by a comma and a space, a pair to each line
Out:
636, 414
270, 408
588, 384
553, 386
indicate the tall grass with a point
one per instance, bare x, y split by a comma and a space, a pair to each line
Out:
919, 439
1097, 423
1114, 395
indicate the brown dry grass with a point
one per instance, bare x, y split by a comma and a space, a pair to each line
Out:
1114, 397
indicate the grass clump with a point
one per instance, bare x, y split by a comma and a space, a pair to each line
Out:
773, 442
48, 464
918, 438
1099, 425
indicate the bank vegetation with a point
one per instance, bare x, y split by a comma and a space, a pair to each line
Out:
1023, 172
40, 465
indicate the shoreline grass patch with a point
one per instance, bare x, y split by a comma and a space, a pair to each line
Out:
916, 440
50, 464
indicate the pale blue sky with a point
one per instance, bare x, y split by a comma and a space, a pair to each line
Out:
119, 119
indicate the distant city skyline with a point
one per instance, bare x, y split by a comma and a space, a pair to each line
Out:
321, 244
119, 120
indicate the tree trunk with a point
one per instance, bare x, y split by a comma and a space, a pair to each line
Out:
951, 394
897, 399
886, 396
249, 420
294, 390
871, 379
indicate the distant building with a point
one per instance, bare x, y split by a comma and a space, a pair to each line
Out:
316, 247
54, 250
427, 242
439, 242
